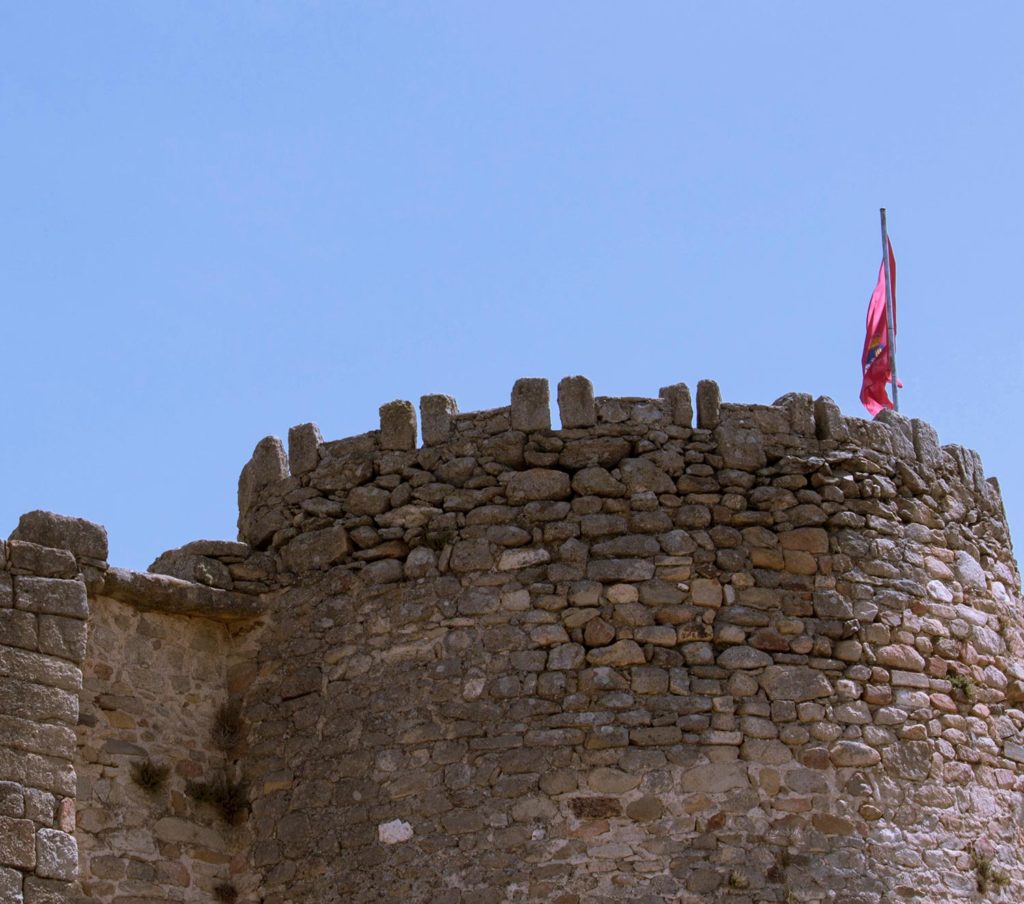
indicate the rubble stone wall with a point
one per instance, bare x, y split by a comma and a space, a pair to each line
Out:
153, 687
773, 657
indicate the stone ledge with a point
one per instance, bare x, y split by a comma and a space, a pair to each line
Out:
161, 593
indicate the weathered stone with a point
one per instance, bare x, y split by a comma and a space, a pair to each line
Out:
853, 753
641, 475
268, 466
740, 447
394, 832
19, 629
615, 570
709, 404
63, 637
597, 482
10, 886
17, 843
604, 780
538, 484
31, 558
437, 413
82, 538
900, 656
969, 572
514, 559
796, 683
317, 549
645, 809
706, 592
623, 653
598, 633
51, 596
678, 404
304, 442
398, 425
531, 405
576, 402
565, 657
743, 658
56, 855
597, 451
716, 778
367, 500
191, 567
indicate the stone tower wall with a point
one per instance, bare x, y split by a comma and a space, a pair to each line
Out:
773, 656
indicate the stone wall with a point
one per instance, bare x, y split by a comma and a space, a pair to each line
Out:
43, 612
153, 687
775, 656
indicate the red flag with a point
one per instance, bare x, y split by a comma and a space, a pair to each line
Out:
875, 361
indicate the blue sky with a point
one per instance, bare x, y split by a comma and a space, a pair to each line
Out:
222, 219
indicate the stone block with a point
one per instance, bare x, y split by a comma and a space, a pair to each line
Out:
12, 795
796, 683
623, 653
741, 449
82, 538
18, 629
24, 557
709, 405
398, 426
538, 484
678, 404
51, 596
6, 589
576, 403
317, 549
531, 405
56, 855
46, 891
41, 669
10, 886
17, 843
926, 444
268, 466
37, 702
829, 423
63, 637
437, 413
304, 442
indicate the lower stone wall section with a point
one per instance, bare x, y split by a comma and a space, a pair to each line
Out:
153, 687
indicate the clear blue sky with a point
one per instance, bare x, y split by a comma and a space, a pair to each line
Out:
221, 219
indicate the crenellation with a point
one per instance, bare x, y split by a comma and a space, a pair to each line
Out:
576, 403
304, 445
398, 426
530, 405
709, 401
436, 415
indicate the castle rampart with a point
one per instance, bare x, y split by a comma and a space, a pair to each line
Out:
772, 655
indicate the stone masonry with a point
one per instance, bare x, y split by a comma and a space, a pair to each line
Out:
775, 656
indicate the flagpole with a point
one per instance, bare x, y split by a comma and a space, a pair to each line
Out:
890, 325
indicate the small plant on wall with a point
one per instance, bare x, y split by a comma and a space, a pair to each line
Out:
150, 776
964, 685
228, 797
226, 892
227, 726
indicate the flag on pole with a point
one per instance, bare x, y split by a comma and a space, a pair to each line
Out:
876, 360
